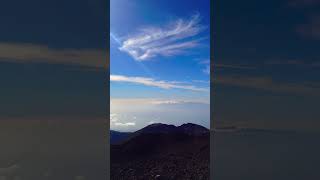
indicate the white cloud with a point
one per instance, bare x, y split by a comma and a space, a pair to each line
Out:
114, 37
113, 117
115, 120
171, 40
125, 124
155, 83
168, 102
201, 81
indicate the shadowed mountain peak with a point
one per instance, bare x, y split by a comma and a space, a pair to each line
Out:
193, 129
160, 128
188, 128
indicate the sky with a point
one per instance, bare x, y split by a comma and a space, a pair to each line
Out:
266, 64
266, 61
52, 56
159, 63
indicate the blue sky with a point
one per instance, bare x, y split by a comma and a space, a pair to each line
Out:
159, 54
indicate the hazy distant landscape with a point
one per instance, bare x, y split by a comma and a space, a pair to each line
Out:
161, 151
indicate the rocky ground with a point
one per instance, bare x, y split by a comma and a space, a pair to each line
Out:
174, 167
179, 159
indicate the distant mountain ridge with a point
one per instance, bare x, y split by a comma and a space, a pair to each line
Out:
188, 128
159, 128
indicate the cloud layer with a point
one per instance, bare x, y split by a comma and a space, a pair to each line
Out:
171, 40
114, 121
130, 114
155, 83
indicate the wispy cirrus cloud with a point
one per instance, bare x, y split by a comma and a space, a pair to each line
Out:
35, 53
201, 81
155, 83
170, 40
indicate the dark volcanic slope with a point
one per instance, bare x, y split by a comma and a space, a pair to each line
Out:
172, 152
